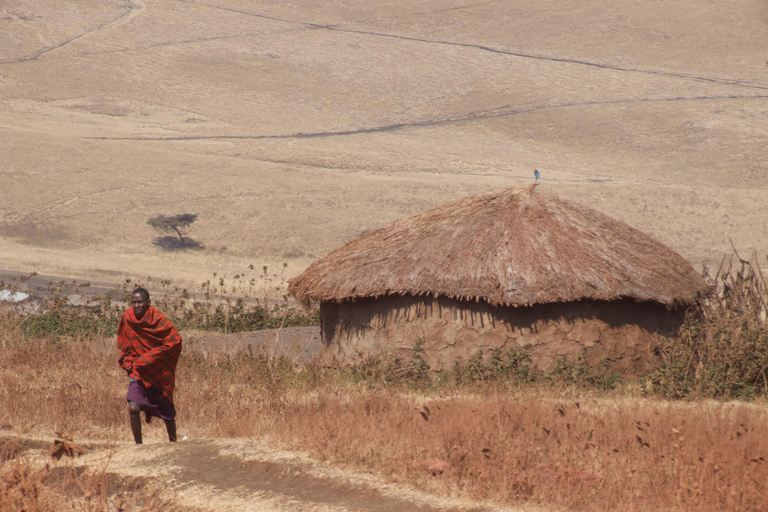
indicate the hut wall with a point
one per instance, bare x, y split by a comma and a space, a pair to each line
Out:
624, 332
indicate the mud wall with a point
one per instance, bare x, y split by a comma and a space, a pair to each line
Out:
623, 332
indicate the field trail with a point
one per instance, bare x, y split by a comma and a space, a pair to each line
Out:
131, 9
244, 474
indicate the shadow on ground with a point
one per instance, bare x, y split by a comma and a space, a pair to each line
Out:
171, 243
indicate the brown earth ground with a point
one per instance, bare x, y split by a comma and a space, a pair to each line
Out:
292, 127
241, 475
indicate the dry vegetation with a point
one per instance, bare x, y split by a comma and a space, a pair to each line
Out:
578, 450
29, 487
292, 127
491, 430
722, 350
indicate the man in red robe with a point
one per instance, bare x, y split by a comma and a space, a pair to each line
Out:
150, 346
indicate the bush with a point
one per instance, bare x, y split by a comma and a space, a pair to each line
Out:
514, 364
721, 351
580, 374
213, 309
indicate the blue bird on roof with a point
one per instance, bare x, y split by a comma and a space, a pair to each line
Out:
536, 173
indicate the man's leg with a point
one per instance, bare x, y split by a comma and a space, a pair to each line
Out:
170, 426
135, 413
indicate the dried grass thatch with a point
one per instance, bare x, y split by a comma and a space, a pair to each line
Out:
512, 247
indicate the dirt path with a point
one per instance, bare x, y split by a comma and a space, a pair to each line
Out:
132, 8
244, 474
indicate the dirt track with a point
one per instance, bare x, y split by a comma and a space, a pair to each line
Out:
209, 474
293, 127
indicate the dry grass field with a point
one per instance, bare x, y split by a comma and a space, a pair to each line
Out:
291, 127
258, 436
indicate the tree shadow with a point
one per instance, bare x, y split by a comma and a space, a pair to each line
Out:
173, 243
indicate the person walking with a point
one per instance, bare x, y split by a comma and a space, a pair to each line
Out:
149, 350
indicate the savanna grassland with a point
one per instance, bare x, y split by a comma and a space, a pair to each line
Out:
290, 128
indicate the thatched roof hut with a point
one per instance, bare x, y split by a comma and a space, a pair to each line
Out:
509, 251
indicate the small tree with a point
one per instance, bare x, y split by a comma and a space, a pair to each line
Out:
174, 223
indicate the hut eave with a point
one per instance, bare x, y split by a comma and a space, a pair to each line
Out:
669, 302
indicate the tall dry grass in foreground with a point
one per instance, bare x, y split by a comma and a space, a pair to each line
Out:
29, 487
571, 449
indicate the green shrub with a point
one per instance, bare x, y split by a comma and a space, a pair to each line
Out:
581, 374
721, 357
513, 364
721, 351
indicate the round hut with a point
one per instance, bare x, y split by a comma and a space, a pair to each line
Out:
500, 270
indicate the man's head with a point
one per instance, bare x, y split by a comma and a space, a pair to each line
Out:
140, 302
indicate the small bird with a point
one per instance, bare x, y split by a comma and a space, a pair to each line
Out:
536, 173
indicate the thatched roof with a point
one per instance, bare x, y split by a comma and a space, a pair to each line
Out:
511, 247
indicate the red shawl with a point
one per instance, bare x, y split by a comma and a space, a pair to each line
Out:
150, 349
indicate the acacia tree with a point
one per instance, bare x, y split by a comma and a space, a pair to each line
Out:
173, 224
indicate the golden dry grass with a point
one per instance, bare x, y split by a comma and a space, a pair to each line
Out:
28, 486
566, 449
291, 128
